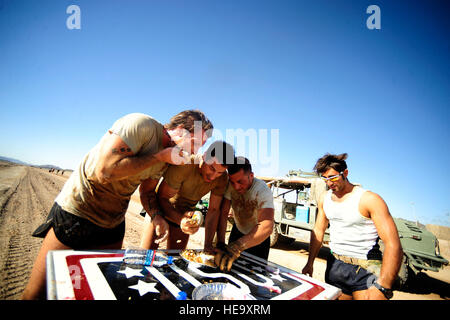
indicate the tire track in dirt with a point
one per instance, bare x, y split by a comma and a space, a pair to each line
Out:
22, 212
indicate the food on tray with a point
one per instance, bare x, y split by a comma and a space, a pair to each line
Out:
200, 257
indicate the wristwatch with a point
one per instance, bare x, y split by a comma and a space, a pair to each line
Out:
385, 291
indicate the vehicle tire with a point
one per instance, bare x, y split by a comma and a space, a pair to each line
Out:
274, 235
403, 274
286, 240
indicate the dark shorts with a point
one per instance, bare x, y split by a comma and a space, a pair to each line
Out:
347, 277
261, 250
76, 232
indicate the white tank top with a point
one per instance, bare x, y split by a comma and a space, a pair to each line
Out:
351, 234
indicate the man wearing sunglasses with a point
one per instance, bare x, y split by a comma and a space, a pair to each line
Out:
357, 219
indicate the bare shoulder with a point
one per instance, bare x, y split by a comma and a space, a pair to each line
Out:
371, 203
370, 197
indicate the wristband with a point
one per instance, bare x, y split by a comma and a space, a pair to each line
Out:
385, 291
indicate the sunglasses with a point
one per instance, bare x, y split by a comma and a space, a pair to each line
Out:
332, 178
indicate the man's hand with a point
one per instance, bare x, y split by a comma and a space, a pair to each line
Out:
308, 270
173, 155
161, 229
224, 258
188, 225
374, 294
220, 247
210, 249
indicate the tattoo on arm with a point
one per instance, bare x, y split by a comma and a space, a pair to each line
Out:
122, 150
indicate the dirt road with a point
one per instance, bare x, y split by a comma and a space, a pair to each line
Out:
27, 194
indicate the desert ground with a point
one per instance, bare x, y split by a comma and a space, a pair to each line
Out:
27, 194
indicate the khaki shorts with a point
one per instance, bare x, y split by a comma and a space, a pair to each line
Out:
350, 277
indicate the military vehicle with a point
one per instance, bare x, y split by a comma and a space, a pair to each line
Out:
420, 248
295, 200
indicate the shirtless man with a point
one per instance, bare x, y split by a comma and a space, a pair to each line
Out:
182, 188
358, 219
253, 212
89, 212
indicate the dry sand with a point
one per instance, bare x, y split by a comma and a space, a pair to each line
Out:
27, 194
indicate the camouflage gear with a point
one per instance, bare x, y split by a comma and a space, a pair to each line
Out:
372, 266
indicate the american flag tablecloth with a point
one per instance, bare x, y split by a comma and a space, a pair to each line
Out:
102, 275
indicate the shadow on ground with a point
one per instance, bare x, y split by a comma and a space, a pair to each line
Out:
422, 283
301, 247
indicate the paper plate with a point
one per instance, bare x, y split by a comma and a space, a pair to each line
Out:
194, 263
219, 291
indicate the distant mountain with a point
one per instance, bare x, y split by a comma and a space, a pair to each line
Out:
14, 161
45, 166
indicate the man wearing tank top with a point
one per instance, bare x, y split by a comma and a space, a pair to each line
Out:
357, 220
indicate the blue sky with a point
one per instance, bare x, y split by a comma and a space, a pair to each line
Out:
310, 69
